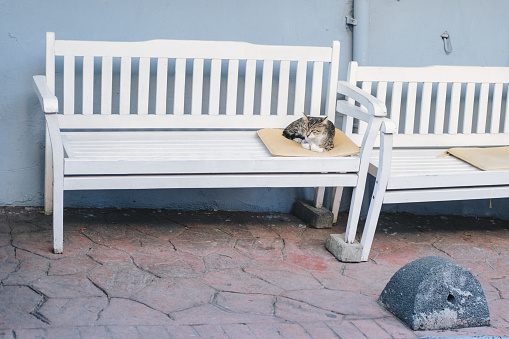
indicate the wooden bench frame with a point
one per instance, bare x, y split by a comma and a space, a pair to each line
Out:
164, 130
436, 108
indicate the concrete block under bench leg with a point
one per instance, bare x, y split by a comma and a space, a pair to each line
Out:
313, 216
343, 251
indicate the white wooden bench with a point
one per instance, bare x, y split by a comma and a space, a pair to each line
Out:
436, 108
184, 114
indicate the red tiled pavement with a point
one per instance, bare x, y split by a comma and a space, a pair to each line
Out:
170, 274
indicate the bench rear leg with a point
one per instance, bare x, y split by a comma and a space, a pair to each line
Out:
58, 221
48, 178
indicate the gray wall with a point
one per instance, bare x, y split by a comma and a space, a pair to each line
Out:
405, 32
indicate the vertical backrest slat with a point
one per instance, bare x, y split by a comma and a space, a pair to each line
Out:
215, 86
482, 113
197, 92
179, 88
50, 61
410, 108
284, 80
162, 85
232, 86
300, 88
125, 85
440, 108
316, 88
469, 108
143, 85
454, 111
249, 87
506, 113
351, 77
425, 107
332, 94
69, 66
381, 90
88, 85
366, 87
397, 90
496, 108
106, 84
268, 68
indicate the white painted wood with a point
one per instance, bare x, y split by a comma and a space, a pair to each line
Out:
215, 86
418, 170
140, 150
50, 61
106, 84
266, 94
397, 89
469, 108
300, 88
88, 85
496, 108
125, 86
180, 86
69, 65
336, 195
319, 195
316, 89
482, 113
197, 92
143, 85
438, 127
454, 112
162, 85
232, 86
425, 108
249, 87
410, 108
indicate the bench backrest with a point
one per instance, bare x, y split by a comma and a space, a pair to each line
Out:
438, 106
189, 84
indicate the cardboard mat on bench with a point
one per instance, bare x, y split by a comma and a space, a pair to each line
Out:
485, 158
279, 146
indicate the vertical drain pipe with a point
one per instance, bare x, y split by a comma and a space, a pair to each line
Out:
360, 31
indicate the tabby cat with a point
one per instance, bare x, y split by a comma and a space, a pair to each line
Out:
313, 133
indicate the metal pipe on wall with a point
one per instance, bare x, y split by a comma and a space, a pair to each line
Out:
361, 32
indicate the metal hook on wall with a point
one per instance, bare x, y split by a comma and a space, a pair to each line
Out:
447, 42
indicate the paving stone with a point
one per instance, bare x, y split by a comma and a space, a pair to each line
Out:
71, 265
394, 327
346, 329
125, 312
180, 332
262, 248
238, 331
41, 243
297, 311
245, 303
119, 280
234, 280
210, 331
67, 286
8, 262
105, 254
170, 295
353, 305
149, 332
371, 329
93, 332
75, 311
319, 330
286, 276
17, 304
63, 332
123, 332
291, 331
212, 315
224, 259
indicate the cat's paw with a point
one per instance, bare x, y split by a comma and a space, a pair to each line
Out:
306, 145
316, 148
298, 140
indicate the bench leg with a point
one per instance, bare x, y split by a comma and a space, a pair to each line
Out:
58, 221
382, 179
337, 193
48, 178
319, 195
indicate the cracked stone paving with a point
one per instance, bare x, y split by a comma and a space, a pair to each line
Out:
211, 274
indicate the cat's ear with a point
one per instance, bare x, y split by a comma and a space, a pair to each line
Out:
325, 118
305, 116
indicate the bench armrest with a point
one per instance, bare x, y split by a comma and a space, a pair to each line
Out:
374, 106
48, 101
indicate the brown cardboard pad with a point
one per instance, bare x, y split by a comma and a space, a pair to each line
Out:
485, 158
280, 146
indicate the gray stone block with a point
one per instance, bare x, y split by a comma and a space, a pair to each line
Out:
343, 251
433, 293
314, 217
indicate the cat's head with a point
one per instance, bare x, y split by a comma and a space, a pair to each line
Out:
315, 125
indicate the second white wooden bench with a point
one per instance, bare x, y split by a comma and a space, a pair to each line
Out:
436, 108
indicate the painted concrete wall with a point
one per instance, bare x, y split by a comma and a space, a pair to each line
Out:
22, 48
402, 32
408, 33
